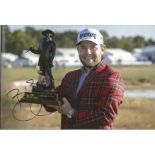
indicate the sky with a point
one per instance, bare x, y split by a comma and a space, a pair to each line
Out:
147, 31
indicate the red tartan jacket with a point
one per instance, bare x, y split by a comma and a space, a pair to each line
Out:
96, 104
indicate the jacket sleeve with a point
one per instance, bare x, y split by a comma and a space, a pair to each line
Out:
62, 87
107, 107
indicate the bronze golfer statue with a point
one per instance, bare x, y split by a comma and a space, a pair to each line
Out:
44, 91
46, 50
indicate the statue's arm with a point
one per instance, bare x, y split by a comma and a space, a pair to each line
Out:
35, 51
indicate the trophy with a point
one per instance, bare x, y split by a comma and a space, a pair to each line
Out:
44, 92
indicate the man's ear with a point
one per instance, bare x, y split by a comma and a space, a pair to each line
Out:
103, 47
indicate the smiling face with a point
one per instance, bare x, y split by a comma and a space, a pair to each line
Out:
90, 54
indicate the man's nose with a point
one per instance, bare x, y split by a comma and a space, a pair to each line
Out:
88, 51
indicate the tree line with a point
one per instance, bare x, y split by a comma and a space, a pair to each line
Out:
19, 40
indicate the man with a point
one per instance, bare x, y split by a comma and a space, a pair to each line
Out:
89, 97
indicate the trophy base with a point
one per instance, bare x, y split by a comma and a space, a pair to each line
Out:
44, 98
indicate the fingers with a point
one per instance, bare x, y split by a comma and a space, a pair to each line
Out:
64, 106
65, 100
57, 97
59, 109
59, 103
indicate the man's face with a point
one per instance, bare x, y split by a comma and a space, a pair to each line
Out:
90, 54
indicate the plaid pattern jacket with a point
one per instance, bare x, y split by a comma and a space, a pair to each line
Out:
96, 104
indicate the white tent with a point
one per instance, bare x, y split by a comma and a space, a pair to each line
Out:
33, 58
149, 51
67, 57
9, 56
8, 59
118, 56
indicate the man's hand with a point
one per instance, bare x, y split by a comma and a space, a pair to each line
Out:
63, 108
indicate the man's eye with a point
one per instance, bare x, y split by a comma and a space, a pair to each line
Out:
92, 47
82, 47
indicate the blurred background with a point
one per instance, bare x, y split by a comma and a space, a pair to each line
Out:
130, 50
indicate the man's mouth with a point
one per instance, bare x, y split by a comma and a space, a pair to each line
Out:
88, 59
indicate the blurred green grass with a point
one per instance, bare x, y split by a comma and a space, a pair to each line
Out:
137, 77
134, 113
134, 76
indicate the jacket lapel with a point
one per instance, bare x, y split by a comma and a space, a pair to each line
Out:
90, 77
